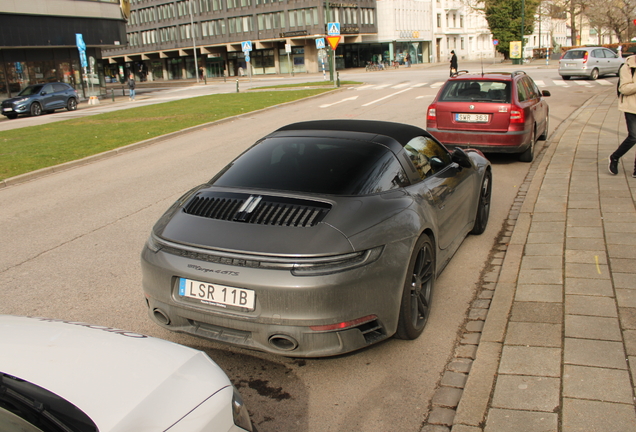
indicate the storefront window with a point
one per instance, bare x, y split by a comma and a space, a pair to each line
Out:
296, 58
263, 62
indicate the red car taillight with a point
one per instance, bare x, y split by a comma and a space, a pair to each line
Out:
517, 115
431, 113
585, 57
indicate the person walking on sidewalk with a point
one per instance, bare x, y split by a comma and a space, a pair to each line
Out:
131, 87
453, 63
627, 104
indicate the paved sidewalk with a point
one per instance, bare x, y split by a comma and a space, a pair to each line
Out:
555, 347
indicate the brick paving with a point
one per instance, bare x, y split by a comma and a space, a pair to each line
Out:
550, 341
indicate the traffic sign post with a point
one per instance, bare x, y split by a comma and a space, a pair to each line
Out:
320, 46
333, 32
495, 42
289, 63
247, 48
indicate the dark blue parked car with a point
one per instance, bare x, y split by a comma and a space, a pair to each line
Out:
39, 98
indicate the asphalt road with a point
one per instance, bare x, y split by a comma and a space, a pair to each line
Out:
71, 244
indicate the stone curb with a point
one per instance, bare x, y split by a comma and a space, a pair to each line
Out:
460, 404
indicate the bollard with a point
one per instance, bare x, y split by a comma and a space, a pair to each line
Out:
112, 92
237, 88
123, 91
338, 78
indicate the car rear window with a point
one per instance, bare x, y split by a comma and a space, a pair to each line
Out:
476, 91
315, 165
573, 55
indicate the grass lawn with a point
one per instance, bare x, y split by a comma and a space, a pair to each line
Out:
28, 149
309, 84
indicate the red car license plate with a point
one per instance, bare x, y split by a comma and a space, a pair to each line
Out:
472, 118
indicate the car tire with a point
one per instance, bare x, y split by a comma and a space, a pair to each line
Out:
544, 135
71, 105
528, 154
36, 109
12, 116
483, 205
565, 78
594, 74
418, 290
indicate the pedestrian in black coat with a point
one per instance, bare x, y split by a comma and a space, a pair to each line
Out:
453, 63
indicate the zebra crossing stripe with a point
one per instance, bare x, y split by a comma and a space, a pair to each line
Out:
583, 83
399, 86
604, 82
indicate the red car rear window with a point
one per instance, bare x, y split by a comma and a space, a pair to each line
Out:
476, 91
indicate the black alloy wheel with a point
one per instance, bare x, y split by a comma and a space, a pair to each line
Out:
71, 105
36, 109
483, 207
418, 290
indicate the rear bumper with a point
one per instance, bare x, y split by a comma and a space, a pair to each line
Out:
507, 142
575, 72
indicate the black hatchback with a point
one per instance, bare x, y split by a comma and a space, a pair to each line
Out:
39, 98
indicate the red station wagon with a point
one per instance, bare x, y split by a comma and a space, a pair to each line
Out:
494, 112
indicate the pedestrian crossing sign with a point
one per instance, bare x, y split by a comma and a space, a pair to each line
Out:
320, 43
246, 46
333, 29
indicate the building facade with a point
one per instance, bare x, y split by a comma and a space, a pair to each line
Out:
164, 35
461, 26
38, 42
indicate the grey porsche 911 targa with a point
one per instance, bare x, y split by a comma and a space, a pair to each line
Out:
322, 238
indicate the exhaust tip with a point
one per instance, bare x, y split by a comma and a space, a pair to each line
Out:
161, 316
283, 342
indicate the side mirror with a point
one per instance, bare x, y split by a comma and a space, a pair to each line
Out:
545, 93
460, 157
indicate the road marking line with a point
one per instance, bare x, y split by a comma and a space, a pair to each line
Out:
604, 82
583, 83
340, 101
386, 97
438, 84
380, 87
561, 83
539, 83
419, 85
365, 87
399, 86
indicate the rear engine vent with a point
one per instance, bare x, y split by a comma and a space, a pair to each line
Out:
257, 209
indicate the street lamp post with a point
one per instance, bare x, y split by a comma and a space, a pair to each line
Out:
194, 43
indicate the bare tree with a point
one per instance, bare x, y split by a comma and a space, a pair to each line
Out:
615, 15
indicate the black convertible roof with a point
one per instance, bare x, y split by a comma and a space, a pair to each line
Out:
402, 133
